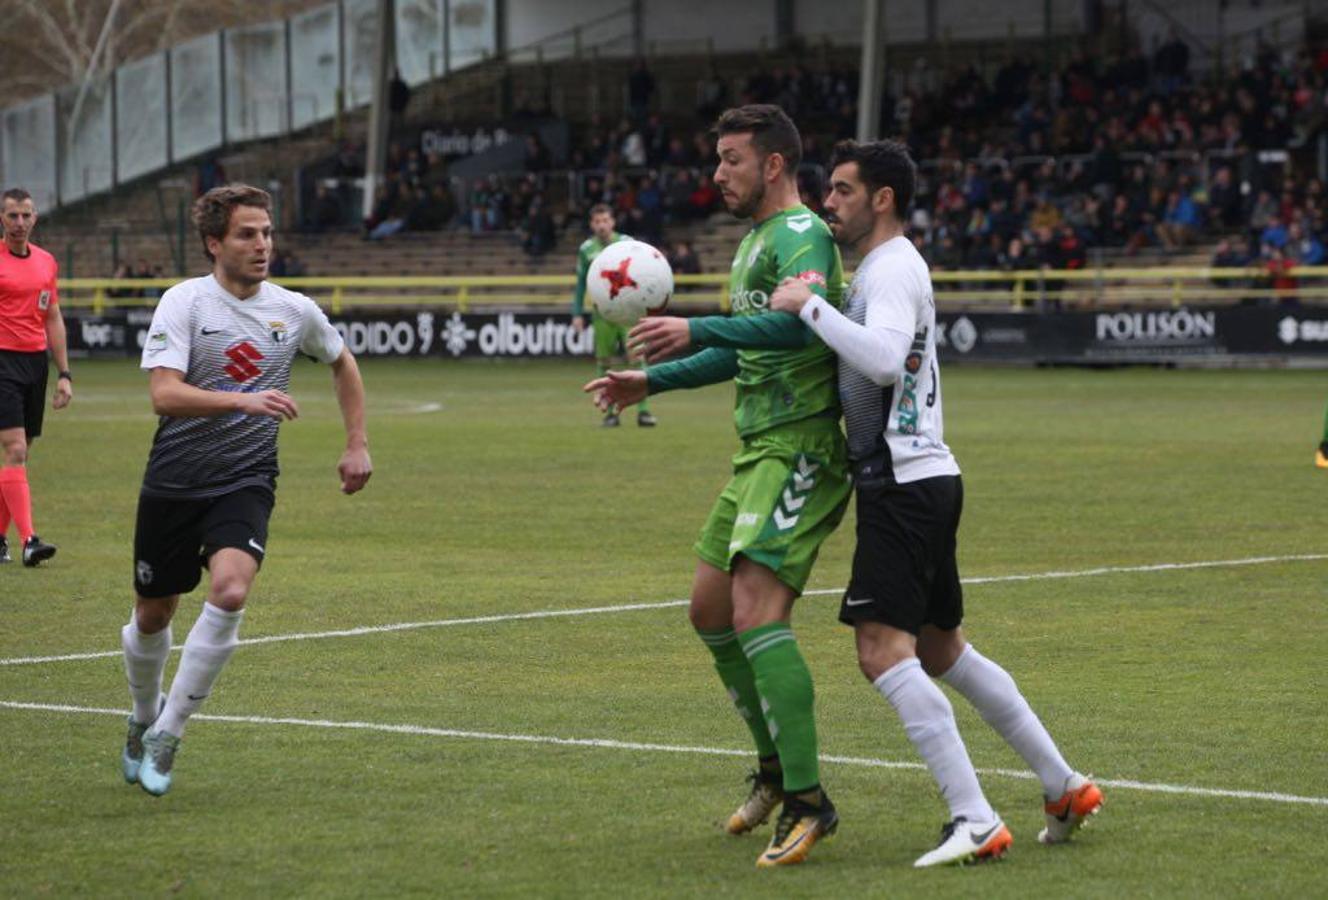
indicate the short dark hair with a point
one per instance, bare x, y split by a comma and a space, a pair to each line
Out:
881, 164
212, 211
601, 208
771, 129
16, 194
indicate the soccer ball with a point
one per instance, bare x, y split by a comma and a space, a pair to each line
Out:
629, 280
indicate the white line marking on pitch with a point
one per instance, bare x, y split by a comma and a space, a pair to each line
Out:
630, 607
609, 744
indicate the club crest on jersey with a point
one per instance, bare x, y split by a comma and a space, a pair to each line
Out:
44, 300
913, 363
278, 330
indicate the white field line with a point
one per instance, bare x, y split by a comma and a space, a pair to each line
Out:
609, 744
630, 607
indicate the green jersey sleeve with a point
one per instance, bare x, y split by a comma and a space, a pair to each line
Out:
585, 254
709, 366
771, 331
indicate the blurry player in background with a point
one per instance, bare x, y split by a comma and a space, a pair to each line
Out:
219, 354
30, 326
790, 480
610, 339
904, 598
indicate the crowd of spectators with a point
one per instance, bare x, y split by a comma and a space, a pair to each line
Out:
1022, 168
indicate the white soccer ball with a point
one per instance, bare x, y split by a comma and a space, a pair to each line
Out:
629, 280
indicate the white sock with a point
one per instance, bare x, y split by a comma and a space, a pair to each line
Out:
930, 724
145, 658
211, 642
994, 694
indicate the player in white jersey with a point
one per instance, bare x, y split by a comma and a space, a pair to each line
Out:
904, 599
219, 353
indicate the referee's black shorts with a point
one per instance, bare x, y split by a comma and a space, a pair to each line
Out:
23, 390
904, 569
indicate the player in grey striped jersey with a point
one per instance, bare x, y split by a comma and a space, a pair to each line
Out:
904, 599
219, 353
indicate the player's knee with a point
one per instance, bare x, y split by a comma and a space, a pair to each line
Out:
152, 617
229, 593
16, 452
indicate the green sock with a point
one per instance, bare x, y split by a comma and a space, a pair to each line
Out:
644, 405
787, 699
734, 670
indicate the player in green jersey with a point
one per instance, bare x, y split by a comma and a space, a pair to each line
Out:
790, 479
608, 336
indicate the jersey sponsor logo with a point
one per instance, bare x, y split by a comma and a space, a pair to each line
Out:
156, 342
747, 518
907, 407
745, 300
799, 224
619, 279
811, 276
44, 300
242, 357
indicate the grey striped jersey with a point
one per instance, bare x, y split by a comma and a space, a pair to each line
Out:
900, 424
222, 343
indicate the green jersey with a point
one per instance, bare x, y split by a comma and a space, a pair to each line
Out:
777, 386
585, 255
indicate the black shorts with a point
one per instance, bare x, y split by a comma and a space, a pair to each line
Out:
175, 538
904, 569
23, 390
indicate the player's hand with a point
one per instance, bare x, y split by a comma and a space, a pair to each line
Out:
659, 337
618, 390
791, 296
578, 324
276, 404
64, 392
354, 468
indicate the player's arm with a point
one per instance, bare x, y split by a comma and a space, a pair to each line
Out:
618, 390
877, 349
355, 467
57, 343
173, 396
579, 293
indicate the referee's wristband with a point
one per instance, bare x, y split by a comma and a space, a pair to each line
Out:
64, 373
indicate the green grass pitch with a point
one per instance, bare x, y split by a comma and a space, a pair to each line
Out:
497, 494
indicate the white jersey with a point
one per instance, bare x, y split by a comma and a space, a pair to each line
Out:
898, 428
222, 343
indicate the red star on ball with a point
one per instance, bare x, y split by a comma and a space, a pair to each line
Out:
618, 278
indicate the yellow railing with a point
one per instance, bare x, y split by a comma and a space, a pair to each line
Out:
1023, 289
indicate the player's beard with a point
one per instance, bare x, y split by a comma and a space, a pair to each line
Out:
847, 234
748, 207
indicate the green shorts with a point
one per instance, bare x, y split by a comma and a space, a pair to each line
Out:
610, 339
789, 489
